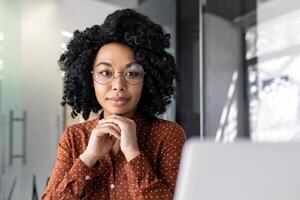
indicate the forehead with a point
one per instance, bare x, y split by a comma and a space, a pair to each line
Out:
115, 53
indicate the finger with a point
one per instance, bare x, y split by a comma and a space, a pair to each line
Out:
107, 129
122, 118
113, 139
125, 119
113, 125
111, 132
115, 120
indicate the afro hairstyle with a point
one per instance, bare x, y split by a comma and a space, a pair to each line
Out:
148, 42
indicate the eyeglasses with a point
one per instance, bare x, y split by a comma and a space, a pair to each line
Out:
133, 74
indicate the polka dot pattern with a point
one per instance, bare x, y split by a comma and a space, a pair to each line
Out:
151, 175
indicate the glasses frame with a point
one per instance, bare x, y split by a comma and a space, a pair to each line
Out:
114, 77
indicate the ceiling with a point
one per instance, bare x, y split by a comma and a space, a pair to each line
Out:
123, 3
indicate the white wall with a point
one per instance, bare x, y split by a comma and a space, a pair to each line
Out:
41, 23
79, 14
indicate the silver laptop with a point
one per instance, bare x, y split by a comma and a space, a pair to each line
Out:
239, 171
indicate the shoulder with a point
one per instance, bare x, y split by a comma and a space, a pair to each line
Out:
168, 128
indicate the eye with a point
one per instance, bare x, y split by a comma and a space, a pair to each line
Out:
105, 73
133, 74
135, 70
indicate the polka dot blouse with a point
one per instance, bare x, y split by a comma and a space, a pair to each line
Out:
151, 175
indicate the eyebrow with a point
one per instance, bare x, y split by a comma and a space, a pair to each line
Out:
103, 63
109, 65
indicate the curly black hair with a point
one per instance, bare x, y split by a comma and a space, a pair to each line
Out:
144, 37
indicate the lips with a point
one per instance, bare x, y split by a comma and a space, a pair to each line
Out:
119, 98
118, 101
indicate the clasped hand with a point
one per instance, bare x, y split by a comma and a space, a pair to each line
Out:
104, 136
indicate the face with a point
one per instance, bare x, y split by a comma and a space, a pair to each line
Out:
118, 96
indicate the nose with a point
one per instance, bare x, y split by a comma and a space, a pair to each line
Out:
119, 83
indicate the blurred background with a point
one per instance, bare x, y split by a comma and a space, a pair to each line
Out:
238, 62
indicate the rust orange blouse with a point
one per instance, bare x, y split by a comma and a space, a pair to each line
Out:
151, 175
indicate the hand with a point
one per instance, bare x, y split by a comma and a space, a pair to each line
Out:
102, 139
128, 143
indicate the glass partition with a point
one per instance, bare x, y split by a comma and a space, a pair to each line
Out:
273, 57
251, 74
12, 115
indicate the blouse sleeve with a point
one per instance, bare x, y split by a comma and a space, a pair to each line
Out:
69, 177
144, 183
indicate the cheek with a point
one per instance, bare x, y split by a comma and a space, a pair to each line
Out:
139, 91
100, 91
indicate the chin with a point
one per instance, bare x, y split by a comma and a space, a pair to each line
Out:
118, 111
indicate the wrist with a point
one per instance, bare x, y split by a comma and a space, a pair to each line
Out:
88, 160
132, 154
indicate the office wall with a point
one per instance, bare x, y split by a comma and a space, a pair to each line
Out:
223, 55
41, 27
79, 14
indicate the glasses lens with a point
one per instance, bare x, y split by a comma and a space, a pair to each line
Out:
134, 74
104, 75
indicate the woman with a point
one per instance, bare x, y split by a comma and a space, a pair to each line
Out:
121, 68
